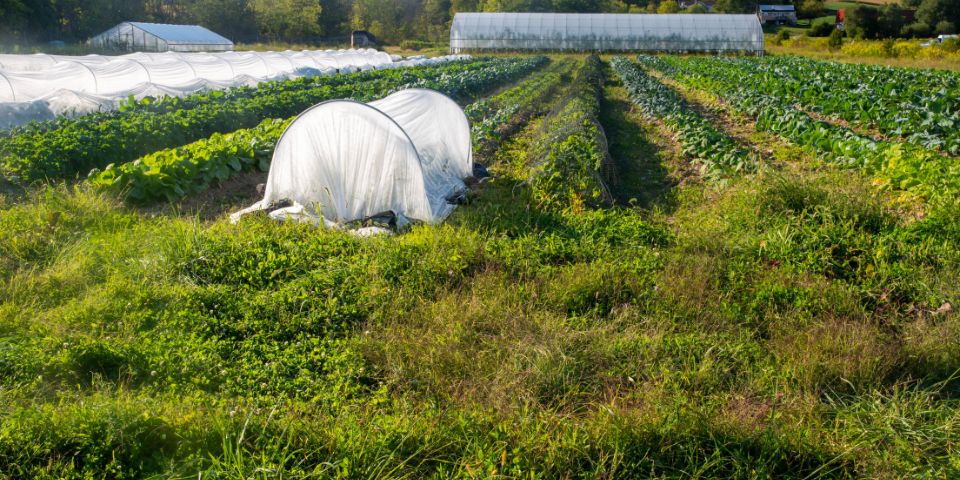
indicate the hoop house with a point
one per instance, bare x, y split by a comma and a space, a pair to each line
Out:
160, 37
344, 160
606, 32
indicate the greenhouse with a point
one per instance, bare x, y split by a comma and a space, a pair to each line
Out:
343, 160
160, 37
606, 32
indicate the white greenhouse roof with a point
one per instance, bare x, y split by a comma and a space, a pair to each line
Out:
606, 31
186, 34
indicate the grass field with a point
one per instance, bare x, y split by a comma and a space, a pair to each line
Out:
612, 303
906, 53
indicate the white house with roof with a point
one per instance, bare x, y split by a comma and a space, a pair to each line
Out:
161, 37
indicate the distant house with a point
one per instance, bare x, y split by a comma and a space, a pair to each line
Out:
685, 4
362, 38
161, 37
777, 14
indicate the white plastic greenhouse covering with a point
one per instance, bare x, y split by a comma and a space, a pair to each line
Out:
41, 86
605, 32
344, 160
161, 37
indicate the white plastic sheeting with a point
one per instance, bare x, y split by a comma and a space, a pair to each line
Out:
344, 160
604, 32
40, 87
161, 37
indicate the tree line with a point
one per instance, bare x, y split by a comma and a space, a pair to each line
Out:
929, 17
24, 21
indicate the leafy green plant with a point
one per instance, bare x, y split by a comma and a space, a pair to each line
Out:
921, 109
835, 39
900, 166
718, 154
571, 150
174, 173
495, 118
68, 146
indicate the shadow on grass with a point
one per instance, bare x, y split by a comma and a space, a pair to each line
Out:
642, 178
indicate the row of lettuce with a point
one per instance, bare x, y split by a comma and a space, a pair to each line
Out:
68, 147
918, 106
904, 166
716, 153
497, 117
173, 173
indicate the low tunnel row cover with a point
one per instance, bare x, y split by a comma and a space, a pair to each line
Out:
345, 160
41, 87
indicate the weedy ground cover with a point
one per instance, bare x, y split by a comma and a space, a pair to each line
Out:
787, 323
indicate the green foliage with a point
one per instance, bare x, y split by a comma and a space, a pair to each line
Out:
174, 173
734, 6
278, 19
810, 9
781, 36
778, 325
67, 146
571, 150
416, 44
668, 6
717, 154
821, 29
499, 116
900, 166
951, 44
836, 39
933, 12
914, 105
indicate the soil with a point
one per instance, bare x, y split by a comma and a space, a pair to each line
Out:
238, 192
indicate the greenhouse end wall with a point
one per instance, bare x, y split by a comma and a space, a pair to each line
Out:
606, 32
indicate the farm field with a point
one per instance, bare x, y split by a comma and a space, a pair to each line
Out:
678, 267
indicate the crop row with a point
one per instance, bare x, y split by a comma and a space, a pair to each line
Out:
173, 173
717, 153
882, 99
570, 149
81, 144
495, 118
902, 166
